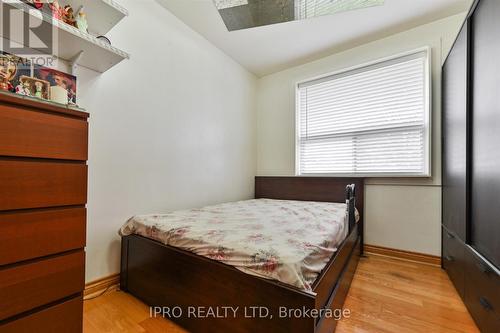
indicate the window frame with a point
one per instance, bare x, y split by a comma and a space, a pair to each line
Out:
428, 138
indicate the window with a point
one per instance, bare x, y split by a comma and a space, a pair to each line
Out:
373, 120
305, 9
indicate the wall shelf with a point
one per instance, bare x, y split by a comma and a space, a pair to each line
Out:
97, 55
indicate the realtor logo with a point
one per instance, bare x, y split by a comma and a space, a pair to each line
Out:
25, 30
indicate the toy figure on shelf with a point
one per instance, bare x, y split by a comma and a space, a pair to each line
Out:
27, 88
81, 21
57, 10
23, 88
20, 89
39, 88
69, 16
38, 4
8, 70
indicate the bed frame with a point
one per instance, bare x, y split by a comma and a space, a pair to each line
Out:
181, 282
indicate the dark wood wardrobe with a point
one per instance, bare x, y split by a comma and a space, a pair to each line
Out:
43, 193
471, 164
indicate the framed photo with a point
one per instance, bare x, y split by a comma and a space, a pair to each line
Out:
12, 68
34, 87
59, 79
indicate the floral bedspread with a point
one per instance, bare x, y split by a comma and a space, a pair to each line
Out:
289, 241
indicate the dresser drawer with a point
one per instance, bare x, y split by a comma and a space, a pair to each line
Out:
482, 293
65, 317
453, 260
33, 234
30, 184
27, 286
25, 133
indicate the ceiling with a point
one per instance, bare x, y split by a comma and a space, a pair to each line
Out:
268, 49
244, 14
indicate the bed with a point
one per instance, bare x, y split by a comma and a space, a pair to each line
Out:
252, 266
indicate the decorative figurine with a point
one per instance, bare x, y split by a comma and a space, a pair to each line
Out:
38, 4
20, 89
57, 10
23, 88
8, 70
27, 88
5, 85
69, 16
38, 88
81, 21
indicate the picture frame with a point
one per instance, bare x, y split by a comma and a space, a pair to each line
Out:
12, 68
57, 78
34, 87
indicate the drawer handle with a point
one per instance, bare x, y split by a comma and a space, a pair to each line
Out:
449, 258
483, 268
484, 302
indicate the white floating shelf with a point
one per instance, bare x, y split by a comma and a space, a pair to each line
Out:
102, 15
97, 55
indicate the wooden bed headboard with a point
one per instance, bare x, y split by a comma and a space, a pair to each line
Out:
326, 189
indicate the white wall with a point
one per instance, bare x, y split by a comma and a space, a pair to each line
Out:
399, 213
174, 127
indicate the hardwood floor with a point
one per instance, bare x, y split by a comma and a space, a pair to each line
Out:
387, 295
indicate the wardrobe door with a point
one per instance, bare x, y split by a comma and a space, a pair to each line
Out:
485, 203
454, 131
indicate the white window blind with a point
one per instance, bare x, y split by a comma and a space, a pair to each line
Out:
369, 121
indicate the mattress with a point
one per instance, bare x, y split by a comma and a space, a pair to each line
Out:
288, 241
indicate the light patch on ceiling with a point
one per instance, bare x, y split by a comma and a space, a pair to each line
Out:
305, 9
222, 4
244, 14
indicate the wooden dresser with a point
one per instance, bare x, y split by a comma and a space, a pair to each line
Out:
43, 193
